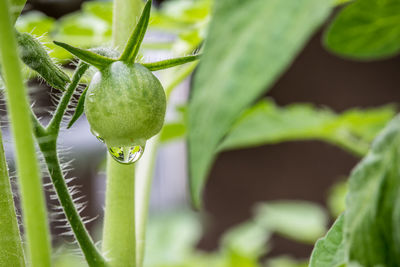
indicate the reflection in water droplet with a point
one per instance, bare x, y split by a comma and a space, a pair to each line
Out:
126, 155
97, 136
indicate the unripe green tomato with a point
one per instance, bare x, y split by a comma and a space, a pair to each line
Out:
125, 104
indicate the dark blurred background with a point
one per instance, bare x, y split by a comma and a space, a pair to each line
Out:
295, 170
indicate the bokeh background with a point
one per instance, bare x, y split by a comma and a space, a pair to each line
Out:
240, 179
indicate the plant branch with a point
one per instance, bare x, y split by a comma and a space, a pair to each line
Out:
48, 146
54, 125
33, 203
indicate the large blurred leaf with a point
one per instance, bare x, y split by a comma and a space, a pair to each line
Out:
329, 250
337, 198
248, 46
285, 261
266, 123
83, 29
366, 29
299, 220
372, 218
371, 229
171, 238
249, 239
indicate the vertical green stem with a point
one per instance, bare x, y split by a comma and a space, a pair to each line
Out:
144, 180
119, 236
119, 239
11, 253
33, 203
16, 8
126, 13
145, 171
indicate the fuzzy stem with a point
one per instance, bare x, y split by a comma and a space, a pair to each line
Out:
119, 239
48, 147
33, 203
10, 241
47, 139
54, 125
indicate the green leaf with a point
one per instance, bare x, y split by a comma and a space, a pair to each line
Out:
100, 9
286, 261
329, 250
337, 198
79, 108
135, 40
248, 239
266, 123
298, 220
365, 30
171, 238
169, 63
87, 56
372, 215
172, 131
250, 43
83, 29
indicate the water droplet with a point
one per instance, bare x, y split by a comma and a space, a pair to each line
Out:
97, 136
126, 155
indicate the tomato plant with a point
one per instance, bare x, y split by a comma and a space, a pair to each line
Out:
246, 46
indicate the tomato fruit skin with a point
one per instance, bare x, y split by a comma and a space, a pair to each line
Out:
125, 104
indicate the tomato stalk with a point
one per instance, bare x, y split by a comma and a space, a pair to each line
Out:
33, 203
119, 235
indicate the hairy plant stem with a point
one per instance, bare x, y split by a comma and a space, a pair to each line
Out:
119, 235
49, 148
11, 253
33, 203
47, 139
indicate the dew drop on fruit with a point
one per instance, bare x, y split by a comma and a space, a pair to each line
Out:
97, 136
126, 155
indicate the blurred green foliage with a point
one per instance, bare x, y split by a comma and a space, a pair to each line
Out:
365, 30
172, 238
91, 26
243, 56
267, 123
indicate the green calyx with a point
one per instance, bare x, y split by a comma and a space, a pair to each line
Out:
125, 103
131, 50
